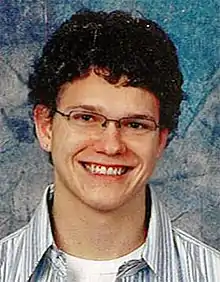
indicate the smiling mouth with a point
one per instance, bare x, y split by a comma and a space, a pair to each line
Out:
105, 170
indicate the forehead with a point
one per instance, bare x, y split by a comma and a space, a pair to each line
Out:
107, 98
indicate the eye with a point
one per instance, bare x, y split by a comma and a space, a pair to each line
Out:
80, 116
86, 117
135, 125
139, 124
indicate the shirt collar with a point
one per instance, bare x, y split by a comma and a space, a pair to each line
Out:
38, 235
159, 247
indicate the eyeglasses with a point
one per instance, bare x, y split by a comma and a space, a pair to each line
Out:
94, 122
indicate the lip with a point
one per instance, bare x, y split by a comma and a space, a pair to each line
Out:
104, 176
106, 165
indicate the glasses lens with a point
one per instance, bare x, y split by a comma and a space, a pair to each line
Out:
137, 125
86, 119
94, 121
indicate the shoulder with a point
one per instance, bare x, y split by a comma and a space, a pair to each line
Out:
191, 243
12, 251
12, 242
195, 254
14, 235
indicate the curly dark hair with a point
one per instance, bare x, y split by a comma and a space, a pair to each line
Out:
136, 48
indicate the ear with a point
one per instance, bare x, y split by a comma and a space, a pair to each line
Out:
163, 135
43, 125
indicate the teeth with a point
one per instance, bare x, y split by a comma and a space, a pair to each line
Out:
93, 169
110, 171
104, 170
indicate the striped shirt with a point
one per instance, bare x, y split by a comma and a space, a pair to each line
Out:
170, 255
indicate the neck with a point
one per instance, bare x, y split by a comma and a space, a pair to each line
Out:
87, 233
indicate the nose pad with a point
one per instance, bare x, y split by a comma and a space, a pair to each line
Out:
104, 124
116, 122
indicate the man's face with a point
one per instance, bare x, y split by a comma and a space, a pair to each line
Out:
72, 147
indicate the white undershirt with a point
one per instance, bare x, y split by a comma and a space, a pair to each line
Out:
82, 270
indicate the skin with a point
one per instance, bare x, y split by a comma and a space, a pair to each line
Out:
100, 217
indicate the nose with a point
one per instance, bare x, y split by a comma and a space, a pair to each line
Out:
110, 142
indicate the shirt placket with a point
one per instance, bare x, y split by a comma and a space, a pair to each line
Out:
129, 271
51, 268
59, 264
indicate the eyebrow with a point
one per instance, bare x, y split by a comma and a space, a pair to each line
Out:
91, 108
100, 110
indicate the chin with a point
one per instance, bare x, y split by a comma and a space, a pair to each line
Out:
104, 205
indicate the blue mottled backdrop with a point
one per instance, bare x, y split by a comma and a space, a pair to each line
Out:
188, 177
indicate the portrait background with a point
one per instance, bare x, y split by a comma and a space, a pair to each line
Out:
187, 179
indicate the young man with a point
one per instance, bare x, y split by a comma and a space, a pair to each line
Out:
106, 95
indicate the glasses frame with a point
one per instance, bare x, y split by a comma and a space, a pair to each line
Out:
106, 120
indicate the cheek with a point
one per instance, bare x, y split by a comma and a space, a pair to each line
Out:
144, 148
66, 144
61, 142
